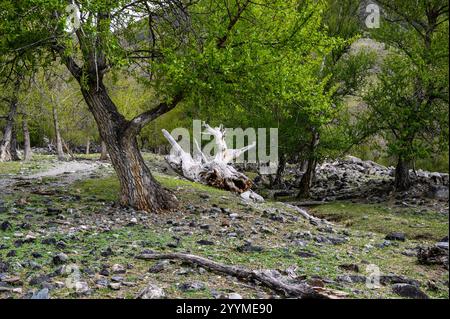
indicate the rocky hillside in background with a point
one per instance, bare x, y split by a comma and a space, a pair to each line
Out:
352, 178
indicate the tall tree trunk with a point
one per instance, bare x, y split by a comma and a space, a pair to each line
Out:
280, 171
88, 144
138, 188
104, 152
59, 143
68, 150
5, 145
27, 153
307, 180
402, 178
303, 165
13, 145
308, 176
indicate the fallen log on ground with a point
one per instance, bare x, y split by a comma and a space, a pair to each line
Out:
297, 290
313, 220
433, 255
214, 171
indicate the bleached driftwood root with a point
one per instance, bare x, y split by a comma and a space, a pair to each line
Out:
214, 171
265, 278
313, 220
252, 196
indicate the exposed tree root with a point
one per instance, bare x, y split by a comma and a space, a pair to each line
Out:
214, 171
300, 290
313, 220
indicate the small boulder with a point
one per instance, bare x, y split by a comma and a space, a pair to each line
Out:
396, 236
60, 259
234, 295
118, 269
409, 291
41, 294
5, 226
192, 286
152, 292
82, 287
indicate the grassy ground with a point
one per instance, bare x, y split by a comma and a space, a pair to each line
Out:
382, 219
38, 163
89, 226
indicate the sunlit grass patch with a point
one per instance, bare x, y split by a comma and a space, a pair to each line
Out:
107, 188
427, 225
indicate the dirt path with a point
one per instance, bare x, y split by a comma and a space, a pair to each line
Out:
67, 171
67, 168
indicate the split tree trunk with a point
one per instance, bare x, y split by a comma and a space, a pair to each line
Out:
104, 152
5, 145
307, 180
308, 176
59, 144
13, 145
68, 150
402, 178
280, 171
88, 144
27, 153
138, 188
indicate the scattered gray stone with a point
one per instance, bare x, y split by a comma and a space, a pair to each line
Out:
334, 240
439, 192
350, 279
118, 269
234, 295
49, 241
102, 283
204, 196
107, 252
115, 285
432, 256
396, 236
192, 286
152, 292
117, 278
61, 244
396, 279
249, 248
51, 211
442, 245
409, 291
205, 242
385, 243
305, 254
82, 287
60, 259
5, 226
215, 210
38, 280
158, 267
350, 267
41, 294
